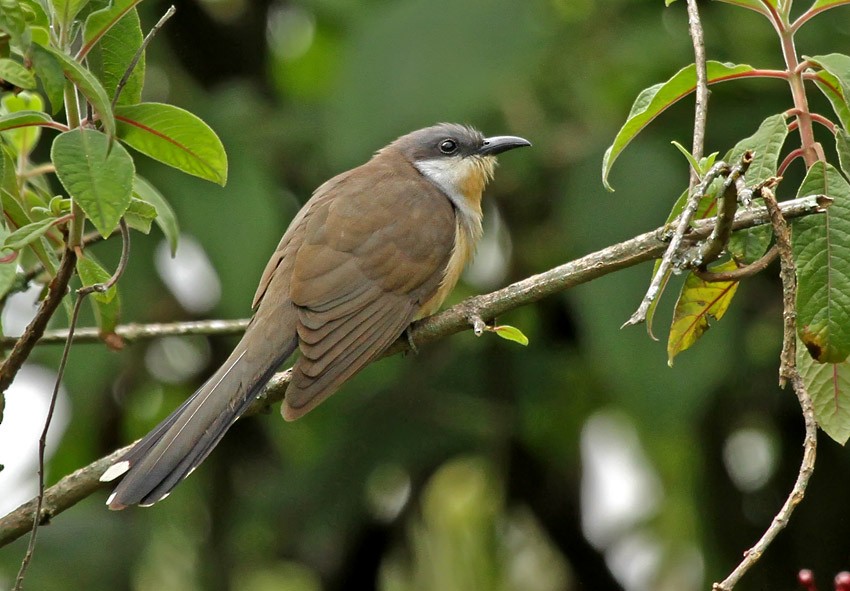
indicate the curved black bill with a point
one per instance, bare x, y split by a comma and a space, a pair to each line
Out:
501, 143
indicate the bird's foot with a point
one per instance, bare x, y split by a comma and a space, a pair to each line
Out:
408, 334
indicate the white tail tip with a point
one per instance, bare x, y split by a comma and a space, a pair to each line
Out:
114, 471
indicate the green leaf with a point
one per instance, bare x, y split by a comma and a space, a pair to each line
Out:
140, 215
91, 273
100, 180
15, 73
829, 386
88, 85
26, 235
766, 143
24, 119
52, 78
66, 10
8, 269
101, 21
820, 5
13, 210
165, 217
511, 333
834, 82
175, 137
112, 37
698, 302
756, 5
822, 254
842, 147
689, 157
12, 21
655, 99
25, 137
831, 88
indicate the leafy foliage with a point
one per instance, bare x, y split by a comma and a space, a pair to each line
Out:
97, 173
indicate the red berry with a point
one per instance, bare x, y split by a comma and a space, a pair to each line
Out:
842, 581
807, 579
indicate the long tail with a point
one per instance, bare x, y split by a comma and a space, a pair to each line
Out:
170, 452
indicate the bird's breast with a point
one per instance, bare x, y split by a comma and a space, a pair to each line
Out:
468, 231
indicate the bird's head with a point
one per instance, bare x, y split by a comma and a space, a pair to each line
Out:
456, 158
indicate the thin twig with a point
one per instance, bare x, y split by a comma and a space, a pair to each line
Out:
727, 205
740, 273
673, 248
42, 444
701, 108
63, 362
787, 372
139, 52
136, 332
85, 481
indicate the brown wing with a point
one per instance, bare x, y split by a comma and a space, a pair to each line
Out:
370, 257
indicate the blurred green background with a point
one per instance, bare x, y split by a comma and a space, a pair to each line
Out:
580, 462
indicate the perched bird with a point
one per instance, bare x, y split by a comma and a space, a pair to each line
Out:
374, 249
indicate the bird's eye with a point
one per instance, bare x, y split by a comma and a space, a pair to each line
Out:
448, 146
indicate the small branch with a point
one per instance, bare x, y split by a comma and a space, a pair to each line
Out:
82, 483
787, 372
142, 332
140, 52
726, 207
42, 445
42, 441
22, 348
701, 108
740, 273
673, 248
786, 162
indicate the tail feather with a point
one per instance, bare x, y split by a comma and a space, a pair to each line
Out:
169, 453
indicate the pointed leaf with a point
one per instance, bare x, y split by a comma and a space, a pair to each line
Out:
112, 37
66, 10
8, 269
15, 73
101, 21
91, 273
12, 20
698, 301
822, 254
834, 82
511, 333
25, 119
165, 217
140, 215
25, 138
820, 5
655, 99
88, 85
174, 137
766, 144
842, 147
747, 246
26, 235
756, 5
52, 78
106, 305
829, 386
99, 180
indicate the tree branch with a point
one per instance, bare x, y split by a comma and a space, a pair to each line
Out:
82, 483
787, 372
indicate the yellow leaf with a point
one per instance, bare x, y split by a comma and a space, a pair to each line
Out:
698, 301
